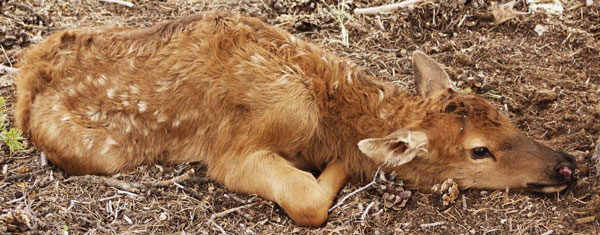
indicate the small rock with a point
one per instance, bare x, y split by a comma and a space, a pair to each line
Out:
544, 96
163, 216
540, 29
463, 59
530, 214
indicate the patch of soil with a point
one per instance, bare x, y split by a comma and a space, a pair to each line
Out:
548, 84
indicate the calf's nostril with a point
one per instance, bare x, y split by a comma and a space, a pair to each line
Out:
565, 171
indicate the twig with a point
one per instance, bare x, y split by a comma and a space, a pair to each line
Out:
585, 220
178, 179
364, 214
548, 232
341, 202
126, 186
596, 155
127, 193
384, 8
7, 58
21, 176
229, 211
219, 227
123, 3
8, 69
432, 224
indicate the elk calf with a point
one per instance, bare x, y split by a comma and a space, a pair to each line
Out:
262, 109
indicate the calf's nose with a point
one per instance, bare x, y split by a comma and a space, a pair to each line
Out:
565, 171
566, 167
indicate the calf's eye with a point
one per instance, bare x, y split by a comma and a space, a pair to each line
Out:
479, 153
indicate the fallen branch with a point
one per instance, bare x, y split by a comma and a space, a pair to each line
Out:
386, 8
194, 194
432, 224
7, 69
112, 182
585, 220
596, 155
229, 211
341, 202
123, 3
178, 179
364, 214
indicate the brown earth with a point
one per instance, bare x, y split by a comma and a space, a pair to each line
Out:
549, 85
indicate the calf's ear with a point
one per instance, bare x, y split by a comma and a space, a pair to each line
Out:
395, 149
430, 78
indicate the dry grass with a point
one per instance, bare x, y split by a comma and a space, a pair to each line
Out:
509, 61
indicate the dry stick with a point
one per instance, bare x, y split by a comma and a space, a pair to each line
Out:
123, 185
21, 176
5, 55
178, 179
364, 215
229, 211
8, 69
432, 224
194, 194
384, 8
219, 227
124, 3
596, 155
585, 220
341, 202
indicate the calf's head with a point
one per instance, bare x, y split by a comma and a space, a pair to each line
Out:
465, 138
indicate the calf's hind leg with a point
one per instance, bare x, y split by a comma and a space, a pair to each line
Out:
74, 146
303, 197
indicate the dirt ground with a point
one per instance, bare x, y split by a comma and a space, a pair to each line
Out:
548, 83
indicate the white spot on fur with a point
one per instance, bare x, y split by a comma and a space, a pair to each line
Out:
134, 89
128, 128
55, 107
107, 144
324, 58
110, 93
349, 78
80, 86
88, 142
300, 53
284, 80
161, 118
257, 59
88, 78
176, 123
381, 95
293, 39
335, 84
95, 116
142, 106
125, 103
289, 70
66, 118
102, 79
